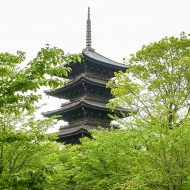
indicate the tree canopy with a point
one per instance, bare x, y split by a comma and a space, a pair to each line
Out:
157, 86
129, 160
28, 155
18, 83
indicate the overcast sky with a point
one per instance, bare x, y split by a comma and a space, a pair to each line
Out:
119, 28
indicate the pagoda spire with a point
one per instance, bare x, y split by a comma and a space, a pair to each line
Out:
88, 32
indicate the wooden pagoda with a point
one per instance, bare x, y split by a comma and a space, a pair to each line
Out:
87, 93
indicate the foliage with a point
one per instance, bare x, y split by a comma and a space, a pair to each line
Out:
99, 163
131, 159
18, 83
28, 155
157, 86
165, 162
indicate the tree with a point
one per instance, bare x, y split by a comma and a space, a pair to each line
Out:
104, 162
130, 159
156, 91
28, 156
18, 84
157, 86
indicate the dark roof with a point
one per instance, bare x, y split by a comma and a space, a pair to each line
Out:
76, 81
97, 57
83, 102
75, 130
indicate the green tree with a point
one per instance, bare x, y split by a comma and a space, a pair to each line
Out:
150, 157
18, 84
28, 156
156, 91
157, 86
104, 162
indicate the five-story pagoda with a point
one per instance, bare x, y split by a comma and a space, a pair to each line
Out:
87, 93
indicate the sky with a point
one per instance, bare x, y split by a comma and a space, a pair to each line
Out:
119, 28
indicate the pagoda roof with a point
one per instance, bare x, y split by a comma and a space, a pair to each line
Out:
78, 80
70, 131
91, 54
77, 104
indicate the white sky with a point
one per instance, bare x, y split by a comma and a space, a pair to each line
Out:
119, 28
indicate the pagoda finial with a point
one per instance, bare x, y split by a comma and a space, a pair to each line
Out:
88, 30
88, 13
88, 33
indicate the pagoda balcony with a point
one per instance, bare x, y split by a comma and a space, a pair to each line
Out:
96, 122
83, 86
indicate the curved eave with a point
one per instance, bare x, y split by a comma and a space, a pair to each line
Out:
78, 81
81, 103
67, 132
95, 57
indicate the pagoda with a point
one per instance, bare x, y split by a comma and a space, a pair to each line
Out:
87, 94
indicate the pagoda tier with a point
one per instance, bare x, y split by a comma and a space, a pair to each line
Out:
83, 86
84, 109
95, 66
72, 135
